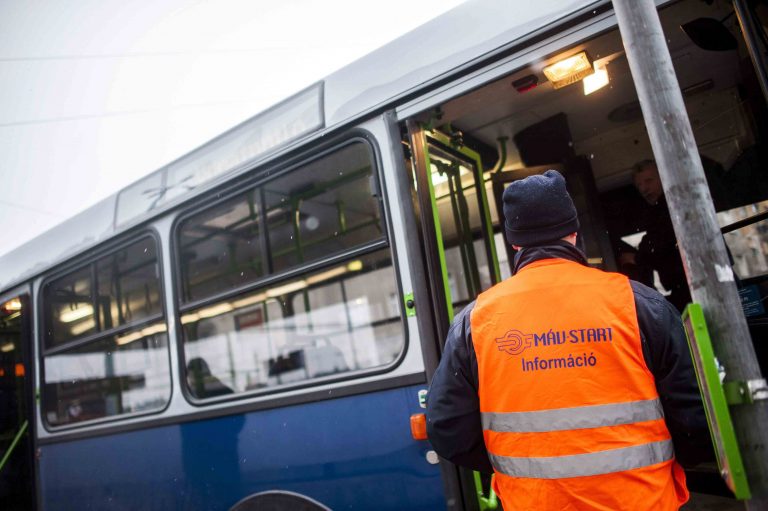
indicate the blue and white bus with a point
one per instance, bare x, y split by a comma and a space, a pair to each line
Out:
254, 325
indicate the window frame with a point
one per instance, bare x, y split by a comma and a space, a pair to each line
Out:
257, 178
86, 260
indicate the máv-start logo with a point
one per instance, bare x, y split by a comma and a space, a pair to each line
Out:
514, 342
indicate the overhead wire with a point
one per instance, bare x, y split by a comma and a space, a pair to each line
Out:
180, 53
122, 113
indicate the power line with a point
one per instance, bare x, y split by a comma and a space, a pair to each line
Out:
14, 205
122, 113
145, 54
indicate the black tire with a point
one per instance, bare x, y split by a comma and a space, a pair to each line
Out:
277, 500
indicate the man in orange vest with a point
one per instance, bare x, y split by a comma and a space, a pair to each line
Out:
573, 385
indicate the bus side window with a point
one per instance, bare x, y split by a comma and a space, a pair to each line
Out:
106, 347
266, 310
748, 246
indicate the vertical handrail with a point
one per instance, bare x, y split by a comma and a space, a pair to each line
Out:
16, 439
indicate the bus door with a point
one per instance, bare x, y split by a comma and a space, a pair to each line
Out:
16, 459
454, 207
459, 244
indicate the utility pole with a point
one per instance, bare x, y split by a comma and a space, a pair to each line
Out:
702, 247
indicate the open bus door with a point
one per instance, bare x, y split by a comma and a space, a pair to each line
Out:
17, 490
459, 245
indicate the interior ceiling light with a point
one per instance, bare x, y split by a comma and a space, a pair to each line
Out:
78, 313
12, 305
569, 70
596, 80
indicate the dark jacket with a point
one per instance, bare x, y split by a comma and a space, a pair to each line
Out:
453, 413
658, 251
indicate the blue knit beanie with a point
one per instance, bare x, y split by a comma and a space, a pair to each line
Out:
538, 210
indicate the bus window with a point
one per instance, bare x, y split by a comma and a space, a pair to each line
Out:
321, 209
325, 208
70, 307
125, 290
746, 235
115, 375
748, 245
326, 323
220, 248
128, 285
338, 318
111, 363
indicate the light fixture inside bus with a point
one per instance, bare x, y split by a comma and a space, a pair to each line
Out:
7, 347
13, 304
83, 327
140, 334
355, 265
439, 178
215, 310
596, 80
569, 70
287, 288
79, 312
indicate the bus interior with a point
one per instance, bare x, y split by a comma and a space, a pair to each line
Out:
522, 124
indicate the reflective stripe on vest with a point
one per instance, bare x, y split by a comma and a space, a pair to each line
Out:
582, 465
573, 418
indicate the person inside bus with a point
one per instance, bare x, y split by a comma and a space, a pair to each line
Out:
658, 249
571, 384
201, 382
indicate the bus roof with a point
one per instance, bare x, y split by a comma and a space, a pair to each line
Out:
404, 68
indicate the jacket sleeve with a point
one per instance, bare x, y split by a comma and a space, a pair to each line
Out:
666, 353
453, 406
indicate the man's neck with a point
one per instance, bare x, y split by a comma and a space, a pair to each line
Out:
558, 249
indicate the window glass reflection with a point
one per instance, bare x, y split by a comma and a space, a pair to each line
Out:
322, 209
127, 289
334, 321
129, 285
749, 245
118, 375
220, 248
70, 306
319, 209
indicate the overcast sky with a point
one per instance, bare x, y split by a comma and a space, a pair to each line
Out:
97, 93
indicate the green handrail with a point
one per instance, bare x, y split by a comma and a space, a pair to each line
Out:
13, 444
489, 502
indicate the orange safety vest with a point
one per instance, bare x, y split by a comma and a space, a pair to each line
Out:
570, 413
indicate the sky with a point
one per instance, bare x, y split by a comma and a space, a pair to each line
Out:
94, 94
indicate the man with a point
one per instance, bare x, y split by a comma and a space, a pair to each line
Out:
570, 383
658, 248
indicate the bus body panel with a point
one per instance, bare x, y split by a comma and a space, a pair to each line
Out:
471, 31
345, 453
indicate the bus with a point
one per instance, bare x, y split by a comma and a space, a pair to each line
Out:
255, 324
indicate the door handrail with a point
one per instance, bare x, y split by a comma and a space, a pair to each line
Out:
16, 439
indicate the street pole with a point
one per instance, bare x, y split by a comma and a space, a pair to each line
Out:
701, 244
